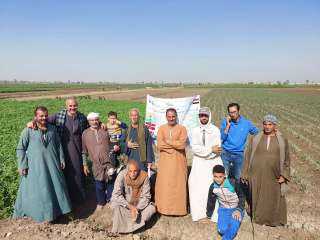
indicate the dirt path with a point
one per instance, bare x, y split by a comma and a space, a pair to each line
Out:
133, 94
47, 94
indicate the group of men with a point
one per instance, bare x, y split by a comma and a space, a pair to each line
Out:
54, 152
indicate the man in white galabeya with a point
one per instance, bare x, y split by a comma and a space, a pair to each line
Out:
206, 148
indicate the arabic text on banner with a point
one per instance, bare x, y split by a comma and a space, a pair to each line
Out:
187, 109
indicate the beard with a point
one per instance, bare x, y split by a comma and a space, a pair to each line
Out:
41, 121
41, 124
172, 123
204, 122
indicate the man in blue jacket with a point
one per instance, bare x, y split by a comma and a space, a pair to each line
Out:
234, 131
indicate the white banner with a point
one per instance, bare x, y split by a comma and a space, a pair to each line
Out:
187, 109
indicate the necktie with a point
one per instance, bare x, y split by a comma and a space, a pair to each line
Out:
203, 137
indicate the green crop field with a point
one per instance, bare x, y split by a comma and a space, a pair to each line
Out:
14, 116
10, 87
298, 112
33, 87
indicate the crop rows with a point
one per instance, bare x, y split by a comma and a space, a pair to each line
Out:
13, 118
298, 114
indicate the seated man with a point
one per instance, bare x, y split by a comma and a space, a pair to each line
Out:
131, 199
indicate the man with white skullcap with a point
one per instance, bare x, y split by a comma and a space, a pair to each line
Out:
95, 145
206, 149
266, 171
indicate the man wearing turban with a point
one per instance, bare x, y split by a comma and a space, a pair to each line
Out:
266, 170
95, 146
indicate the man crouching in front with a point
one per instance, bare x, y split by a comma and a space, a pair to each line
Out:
131, 199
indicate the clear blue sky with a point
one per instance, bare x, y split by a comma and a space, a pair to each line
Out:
128, 41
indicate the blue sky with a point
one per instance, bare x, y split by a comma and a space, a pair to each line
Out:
173, 41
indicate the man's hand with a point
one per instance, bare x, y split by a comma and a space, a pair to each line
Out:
23, 172
111, 171
86, 170
116, 148
132, 145
149, 169
62, 165
216, 149
244, 181
103, 126
168, 142
32, 124
237, 215
228, 119
134, 212
281, 179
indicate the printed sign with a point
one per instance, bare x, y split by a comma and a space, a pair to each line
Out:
187, 109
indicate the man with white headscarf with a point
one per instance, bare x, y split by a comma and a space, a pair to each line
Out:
206, 148
95, 145
266, 170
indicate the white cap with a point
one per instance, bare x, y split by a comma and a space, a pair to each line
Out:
93, 115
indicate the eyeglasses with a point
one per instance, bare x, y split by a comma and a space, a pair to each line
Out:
234, 112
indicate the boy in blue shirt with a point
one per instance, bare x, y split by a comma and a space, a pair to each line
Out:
231, 203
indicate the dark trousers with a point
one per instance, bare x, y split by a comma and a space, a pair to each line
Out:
103, 191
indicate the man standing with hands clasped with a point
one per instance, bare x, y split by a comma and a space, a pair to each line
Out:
171, 182
206, 149
139, 141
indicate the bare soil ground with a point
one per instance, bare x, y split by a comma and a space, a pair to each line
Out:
96, 225
302, 200
134, 95
47, 94
88, 223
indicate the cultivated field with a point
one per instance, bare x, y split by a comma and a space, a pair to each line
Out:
297, 110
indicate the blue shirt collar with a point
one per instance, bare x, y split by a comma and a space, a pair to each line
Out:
240, 119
